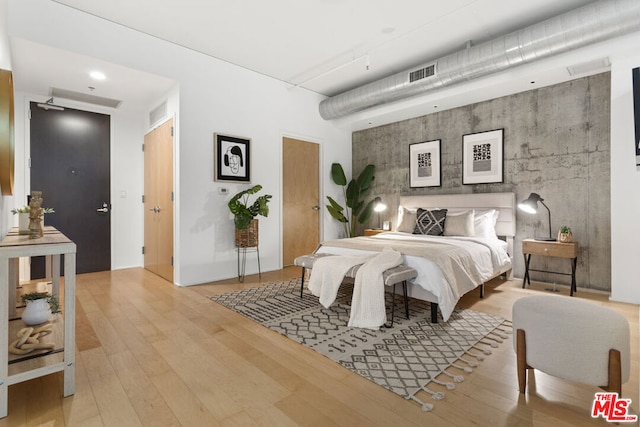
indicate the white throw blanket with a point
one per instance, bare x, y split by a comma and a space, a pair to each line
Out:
367, 304
327, 275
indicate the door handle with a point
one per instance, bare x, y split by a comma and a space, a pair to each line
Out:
155, 209
316, 208
103, 209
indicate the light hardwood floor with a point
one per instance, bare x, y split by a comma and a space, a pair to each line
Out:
153, 354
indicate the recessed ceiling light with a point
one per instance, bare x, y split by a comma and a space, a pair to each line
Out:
97, 75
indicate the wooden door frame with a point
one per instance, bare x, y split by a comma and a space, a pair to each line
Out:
321, 217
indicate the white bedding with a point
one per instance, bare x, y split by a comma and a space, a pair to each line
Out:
490, 258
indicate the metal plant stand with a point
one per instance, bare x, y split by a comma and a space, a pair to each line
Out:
247, 241
242, 261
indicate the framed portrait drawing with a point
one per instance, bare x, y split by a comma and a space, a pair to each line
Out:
482, 157
424, 164
636, 111
232, 158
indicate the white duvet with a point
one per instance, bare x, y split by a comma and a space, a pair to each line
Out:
483, 259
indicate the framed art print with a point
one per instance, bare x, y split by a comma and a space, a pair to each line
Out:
636, 111
424, 164
482, 157
232, 158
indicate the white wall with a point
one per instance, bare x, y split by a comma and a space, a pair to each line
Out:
214, 96
625, 183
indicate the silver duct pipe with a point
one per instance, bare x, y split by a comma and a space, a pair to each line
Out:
586, 25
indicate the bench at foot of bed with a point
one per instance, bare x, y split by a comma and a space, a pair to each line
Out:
391, 277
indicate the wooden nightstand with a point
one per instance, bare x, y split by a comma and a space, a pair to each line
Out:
373, 231
552, 249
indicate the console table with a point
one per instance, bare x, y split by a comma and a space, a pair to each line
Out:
12, 247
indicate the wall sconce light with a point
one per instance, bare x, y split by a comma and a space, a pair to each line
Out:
530, 205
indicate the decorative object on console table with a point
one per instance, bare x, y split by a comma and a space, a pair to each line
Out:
530, 205
424, 164
482, 157
23, 217
565, 235
246, 224
39, 307
35, 215
550, 249
356, 209
232, 158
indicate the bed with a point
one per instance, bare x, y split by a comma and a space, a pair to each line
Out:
448, 266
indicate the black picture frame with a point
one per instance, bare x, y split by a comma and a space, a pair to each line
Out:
232, 158
424, 164
483, 157
635, 73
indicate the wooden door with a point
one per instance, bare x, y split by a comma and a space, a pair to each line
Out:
300, 198
158, 201
70, 163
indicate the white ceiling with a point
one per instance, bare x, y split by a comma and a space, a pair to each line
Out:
323, 45
327, 46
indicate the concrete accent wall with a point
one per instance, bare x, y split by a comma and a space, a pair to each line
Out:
556, 143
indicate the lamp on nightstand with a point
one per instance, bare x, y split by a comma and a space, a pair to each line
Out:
530, 205
379, 206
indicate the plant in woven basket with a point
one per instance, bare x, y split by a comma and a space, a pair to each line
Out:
565, 235
243, 212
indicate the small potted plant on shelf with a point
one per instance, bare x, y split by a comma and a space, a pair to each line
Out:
23, 217
244, 215
565, 235
39, 306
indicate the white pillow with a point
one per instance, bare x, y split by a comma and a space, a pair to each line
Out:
485, 223
460, 224
406, 219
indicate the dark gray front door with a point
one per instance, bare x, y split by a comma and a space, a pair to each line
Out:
70, 164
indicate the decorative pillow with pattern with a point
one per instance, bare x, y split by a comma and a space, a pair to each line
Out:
430, 222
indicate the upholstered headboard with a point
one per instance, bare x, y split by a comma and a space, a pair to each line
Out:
505, 203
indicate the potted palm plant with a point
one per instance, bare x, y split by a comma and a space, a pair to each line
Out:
355, 209
245, 213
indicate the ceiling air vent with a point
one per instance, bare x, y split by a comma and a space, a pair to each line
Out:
422, 73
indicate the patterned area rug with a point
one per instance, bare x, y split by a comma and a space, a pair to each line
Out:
405, 359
